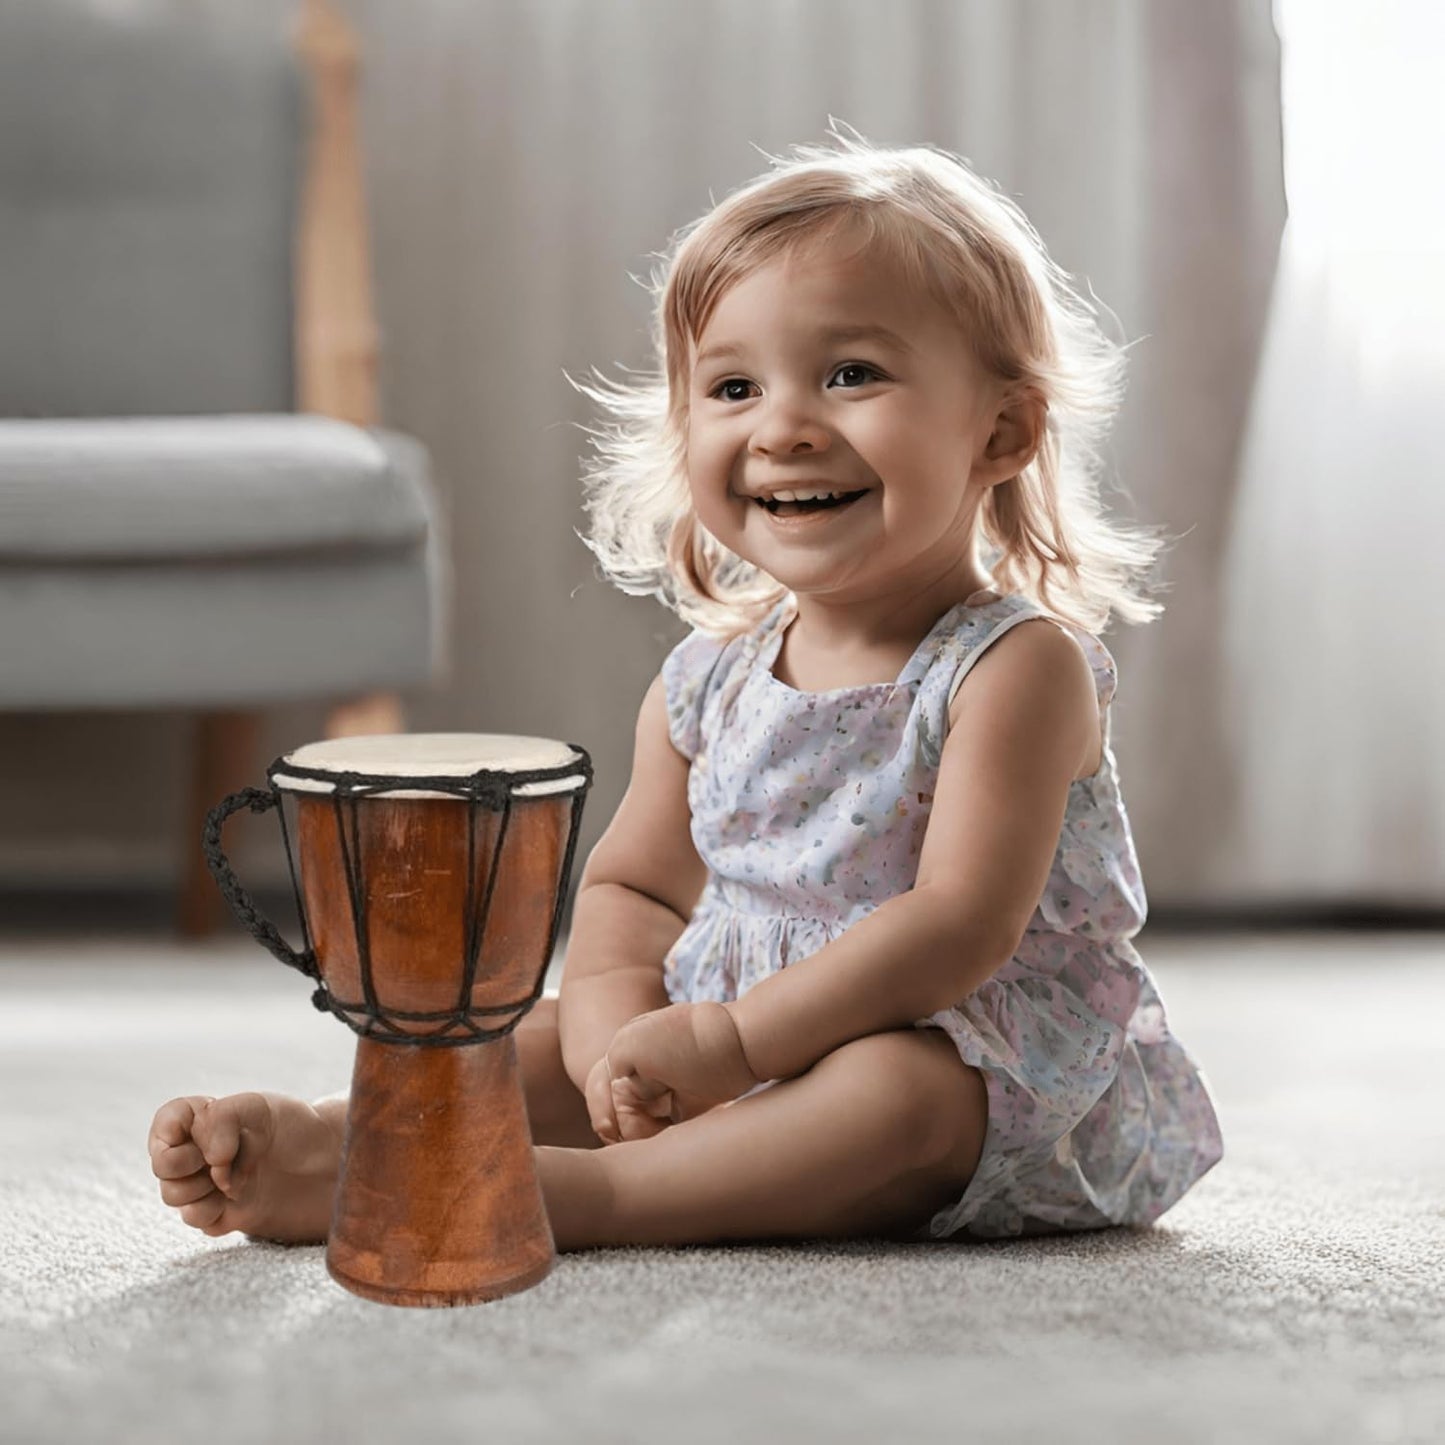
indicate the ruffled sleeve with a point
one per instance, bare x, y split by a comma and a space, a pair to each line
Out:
1102, 664
1106, 670
1106, 678
688, 675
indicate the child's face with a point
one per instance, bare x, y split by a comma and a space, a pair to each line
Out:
794, 409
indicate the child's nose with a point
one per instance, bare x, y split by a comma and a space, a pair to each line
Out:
786, 429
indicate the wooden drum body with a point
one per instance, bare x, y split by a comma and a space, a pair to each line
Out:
430, 872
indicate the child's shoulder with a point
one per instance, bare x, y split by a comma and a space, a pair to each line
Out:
1014, 629
1100, 659
690, 661
693, 671
702, 648
980, 628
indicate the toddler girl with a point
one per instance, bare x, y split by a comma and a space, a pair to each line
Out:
852, 957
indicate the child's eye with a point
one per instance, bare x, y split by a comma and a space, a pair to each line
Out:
857, 366
723, 385
872, 371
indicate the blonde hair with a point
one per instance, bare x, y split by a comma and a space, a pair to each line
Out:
973, 249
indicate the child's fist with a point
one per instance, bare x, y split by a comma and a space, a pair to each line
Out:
674, 1063
598, 1097
643, 1109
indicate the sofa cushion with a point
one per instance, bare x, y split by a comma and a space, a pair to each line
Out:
229, 634
149, 170
120, 489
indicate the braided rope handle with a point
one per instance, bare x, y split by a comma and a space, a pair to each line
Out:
258, 800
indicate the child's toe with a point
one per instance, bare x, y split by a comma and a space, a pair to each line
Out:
177, 1161
220, 1128
180, 1192
204, 1212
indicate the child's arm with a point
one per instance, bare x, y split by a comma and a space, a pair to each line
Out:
614, 926
637, 892
1029, 727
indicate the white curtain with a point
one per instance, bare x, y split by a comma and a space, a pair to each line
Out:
1334, 646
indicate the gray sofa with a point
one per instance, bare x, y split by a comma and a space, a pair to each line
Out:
173, 533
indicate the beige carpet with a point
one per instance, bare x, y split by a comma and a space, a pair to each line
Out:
1297, 1295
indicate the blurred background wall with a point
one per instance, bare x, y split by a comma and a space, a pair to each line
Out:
524, 156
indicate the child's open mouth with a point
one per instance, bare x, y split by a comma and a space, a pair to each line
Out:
835, 503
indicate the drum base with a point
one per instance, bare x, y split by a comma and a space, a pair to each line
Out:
431, 1300
437, 1202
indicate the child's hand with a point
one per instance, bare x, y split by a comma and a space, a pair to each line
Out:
608, 1110
666, 1066
598, 1096
619, 1113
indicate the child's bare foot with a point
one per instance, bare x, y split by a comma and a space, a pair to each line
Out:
266, 1164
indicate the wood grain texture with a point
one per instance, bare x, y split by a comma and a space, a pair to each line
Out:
336, 333
438, 1201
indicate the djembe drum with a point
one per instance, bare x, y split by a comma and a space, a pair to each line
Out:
430, 871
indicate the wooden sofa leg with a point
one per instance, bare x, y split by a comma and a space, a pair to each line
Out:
225, 759
380, 712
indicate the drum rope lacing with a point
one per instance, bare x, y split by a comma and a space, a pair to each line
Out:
367, 1018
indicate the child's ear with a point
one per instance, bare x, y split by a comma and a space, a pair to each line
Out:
1018, 431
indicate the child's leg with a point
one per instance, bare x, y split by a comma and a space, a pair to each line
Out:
279, 1157
556, 1111
872, 1140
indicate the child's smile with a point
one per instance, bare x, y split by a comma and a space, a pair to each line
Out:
799, 508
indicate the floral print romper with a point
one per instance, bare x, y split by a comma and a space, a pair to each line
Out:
809, 809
